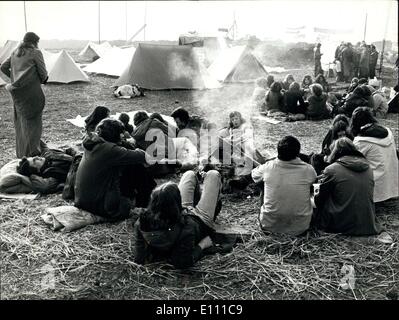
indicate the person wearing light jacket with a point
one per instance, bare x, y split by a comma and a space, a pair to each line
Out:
377, 144
345, 198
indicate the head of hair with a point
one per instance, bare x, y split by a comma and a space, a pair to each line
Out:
110, 130
396, 88
355, 80
341, 117
295, 87
338, 127
25, 169
98, 114
366, 90
235, 114
360, 117
30, 41
316, 89
139, 117
320, 79
182, 114
157, 116
261, 82
164, 208
359, 91
308, 78
289, 77
270, 80
276, 86
288, 148
343, 147
124, 118
362, 81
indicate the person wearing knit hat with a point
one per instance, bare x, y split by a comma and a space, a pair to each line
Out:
27, 70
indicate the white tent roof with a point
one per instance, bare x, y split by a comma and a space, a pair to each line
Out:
8, 48
231, 61
113, 63
61, 68
93, 50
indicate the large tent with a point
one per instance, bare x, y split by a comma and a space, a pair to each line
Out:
158, 67
62, 69
236, 64
113, 63
94, 51
8, 48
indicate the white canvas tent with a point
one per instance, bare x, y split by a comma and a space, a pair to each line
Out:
236, 64
62, 69
113, 63
94, 51
8, 48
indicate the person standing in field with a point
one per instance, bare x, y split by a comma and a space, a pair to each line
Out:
373, 61
317, 60
27, 71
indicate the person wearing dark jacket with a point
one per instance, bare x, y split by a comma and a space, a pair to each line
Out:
293, 101
364, 63
98, 114
354, 83
345, 198
367, 94
373, 61
317, 109
320, 79
347, 61
178, 222
109, 176
289, 78
124, 118
353, 100
274, 98
153, 135
317, 60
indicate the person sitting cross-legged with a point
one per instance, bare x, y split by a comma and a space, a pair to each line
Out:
286, 207
109, 176
178, 222
345, 198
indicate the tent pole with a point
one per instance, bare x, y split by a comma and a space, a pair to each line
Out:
365, 28
126, 21
99, 38
26, 25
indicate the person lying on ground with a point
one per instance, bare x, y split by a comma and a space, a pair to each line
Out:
110, 177
286, 206
179, 221
47, 172
345, 199
294, 104
317, 109
153, 135
98, 114
128, 91
377, 144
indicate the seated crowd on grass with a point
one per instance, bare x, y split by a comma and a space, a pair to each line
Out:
335, 190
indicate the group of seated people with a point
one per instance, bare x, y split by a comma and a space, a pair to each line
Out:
115, 174
314, 100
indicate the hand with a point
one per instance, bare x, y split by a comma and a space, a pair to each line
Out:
206, 243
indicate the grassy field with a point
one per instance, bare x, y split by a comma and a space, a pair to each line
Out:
96, 262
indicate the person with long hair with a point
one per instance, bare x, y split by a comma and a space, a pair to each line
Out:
377, 144
99, 113
345, 198
179, 221
27, 70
